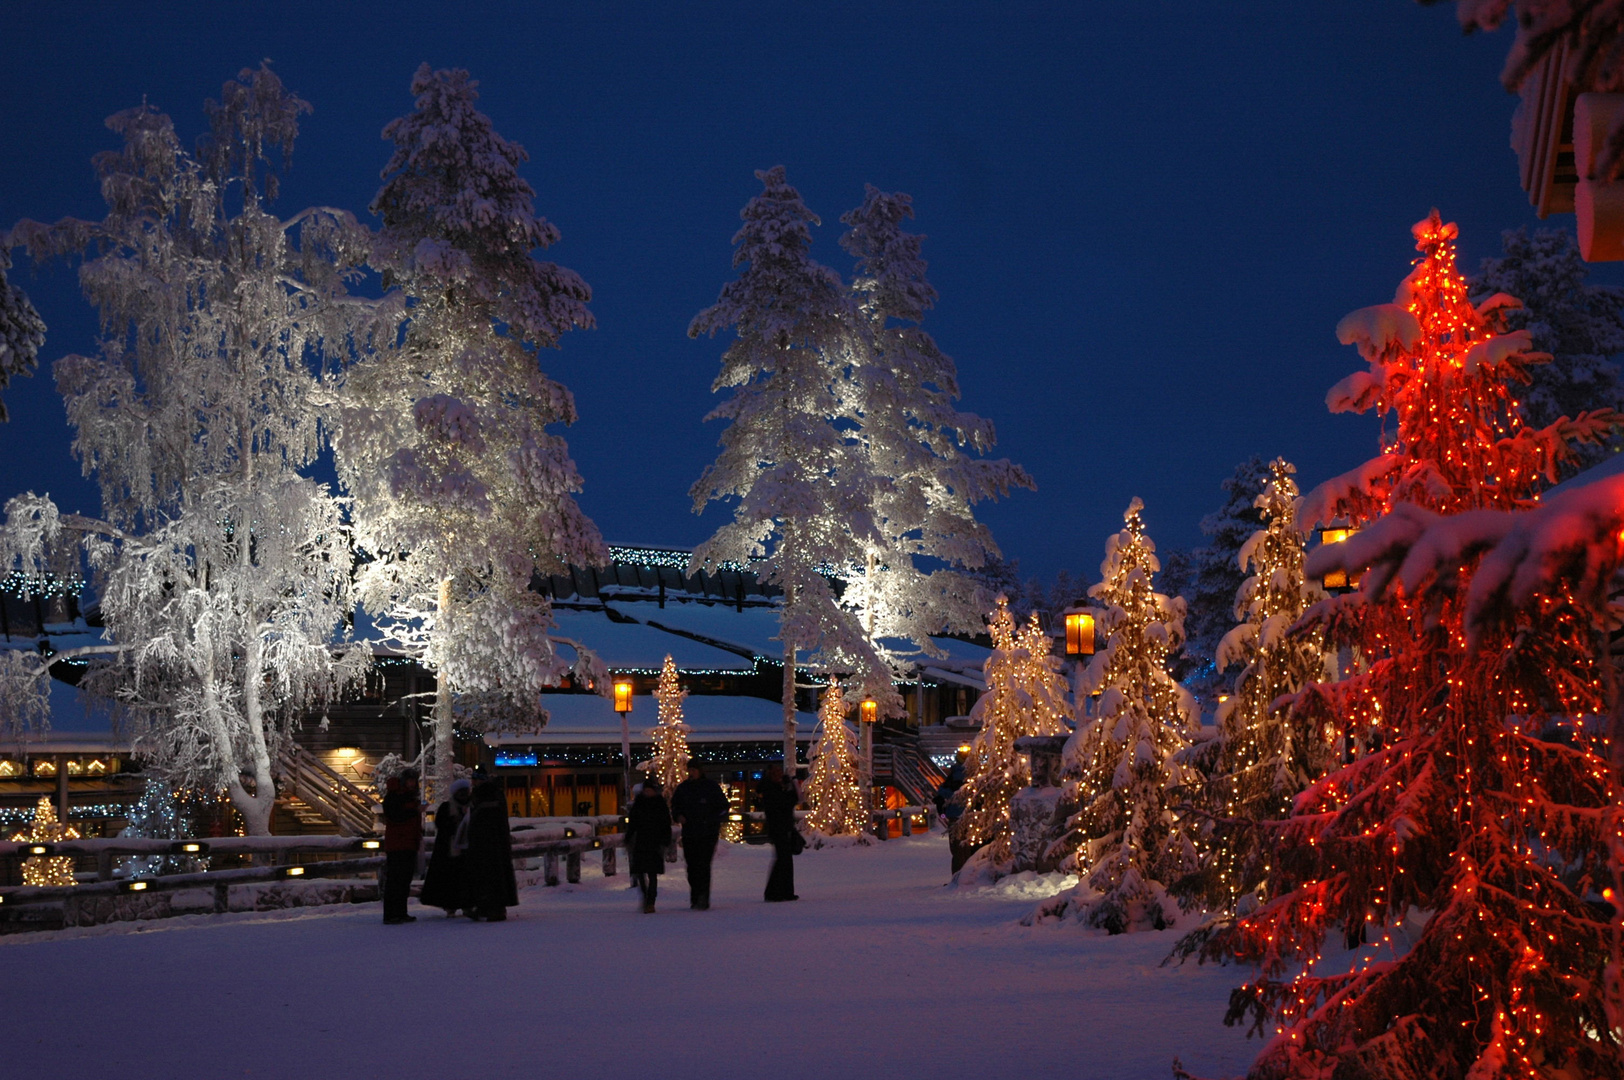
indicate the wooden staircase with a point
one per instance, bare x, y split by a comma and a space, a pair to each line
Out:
899, 762
295, 817
306, 782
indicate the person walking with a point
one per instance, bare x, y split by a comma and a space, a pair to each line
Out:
699, 805
402, 840
443, 882
778, 798
488, 865
648, 834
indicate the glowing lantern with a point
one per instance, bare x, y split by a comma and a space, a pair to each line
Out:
1079, 633
869, 711
1338, 579
623, 696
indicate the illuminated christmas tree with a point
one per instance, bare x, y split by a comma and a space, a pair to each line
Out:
670, 734
834, 798
45, 829
1026, 695
1128, 842
1265, 754
1486, 800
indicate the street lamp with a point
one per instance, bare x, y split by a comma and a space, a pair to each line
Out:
1338, 579
869, 714
1079, 633
623, 706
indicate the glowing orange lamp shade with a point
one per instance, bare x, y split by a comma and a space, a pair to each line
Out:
1338, 579
869, 711
623, 696
1079, 633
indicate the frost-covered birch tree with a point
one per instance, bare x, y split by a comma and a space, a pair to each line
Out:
922, 454
461, 492
221, 569
791, 467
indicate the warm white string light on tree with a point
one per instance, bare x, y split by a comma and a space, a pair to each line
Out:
46, 829
670, 734
835, 799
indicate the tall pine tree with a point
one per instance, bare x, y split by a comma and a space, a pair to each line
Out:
1026, 695
836, 803
669, 733
1128, 840
1469, 810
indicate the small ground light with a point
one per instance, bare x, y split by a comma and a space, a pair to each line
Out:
597, 843
569, 834
294, 871
39, 849
735, 817
135, 886
371, 845
188, 847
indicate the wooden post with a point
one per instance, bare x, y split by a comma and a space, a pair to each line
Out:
549, 868
572, 868
62, 789
222, 897
608, 861
907, 823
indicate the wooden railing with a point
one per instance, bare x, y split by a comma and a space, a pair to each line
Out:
351, 807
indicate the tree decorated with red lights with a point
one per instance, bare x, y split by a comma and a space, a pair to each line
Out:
1484, 799
1128, 839
1026, 695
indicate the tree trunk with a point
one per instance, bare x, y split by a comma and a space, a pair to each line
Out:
256, 808
440, 777
789, 708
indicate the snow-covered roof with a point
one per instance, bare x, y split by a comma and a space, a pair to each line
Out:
589, 718
752, 630
631, 646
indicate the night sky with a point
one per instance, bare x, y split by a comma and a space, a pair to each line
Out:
1144, 220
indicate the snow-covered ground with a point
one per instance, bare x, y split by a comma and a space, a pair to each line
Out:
878, 971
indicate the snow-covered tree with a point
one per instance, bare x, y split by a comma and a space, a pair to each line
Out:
1579, 324
22, 331
922, 453
1207, 577
221, 569
1128, 841
791, 468
1488, 803
46, 829
1026, 695
1265, 754
461, 493
836, 803
669, 734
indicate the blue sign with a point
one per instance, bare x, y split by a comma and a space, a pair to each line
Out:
516, 757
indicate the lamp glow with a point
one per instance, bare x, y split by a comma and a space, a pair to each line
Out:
623, 696
1079, 633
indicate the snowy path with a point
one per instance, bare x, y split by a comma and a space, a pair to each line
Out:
876, 972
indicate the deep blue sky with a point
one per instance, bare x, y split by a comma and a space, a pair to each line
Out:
1145, 219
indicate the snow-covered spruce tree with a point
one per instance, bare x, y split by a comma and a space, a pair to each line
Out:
1120, 767
796, 477
1579, 324
1207, 577
1265, 754
669, 734
22, 331
1026, 695
461, 493
221, 569
46, 829
922, 453
1469, 810
836, 803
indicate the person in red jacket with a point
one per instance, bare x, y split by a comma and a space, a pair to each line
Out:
402, 839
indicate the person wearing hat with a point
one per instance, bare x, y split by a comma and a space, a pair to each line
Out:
648, 834
402, 840
491, 887
443, 883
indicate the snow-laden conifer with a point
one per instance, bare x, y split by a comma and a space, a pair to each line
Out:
922, 453
791, 469
1026, 695
1265, 754
669, 735
1128, 840
461, 492
836, 803
221, 569
22, 331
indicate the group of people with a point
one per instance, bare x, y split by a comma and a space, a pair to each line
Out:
471, 867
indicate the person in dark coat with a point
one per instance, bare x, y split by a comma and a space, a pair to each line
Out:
778, 798
443, 883
699, 805
648, 834
402, 840
488, 867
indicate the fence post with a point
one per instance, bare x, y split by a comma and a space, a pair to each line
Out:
104, 866
907, 823
222, 898
609, 861
572, 868
549, 868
